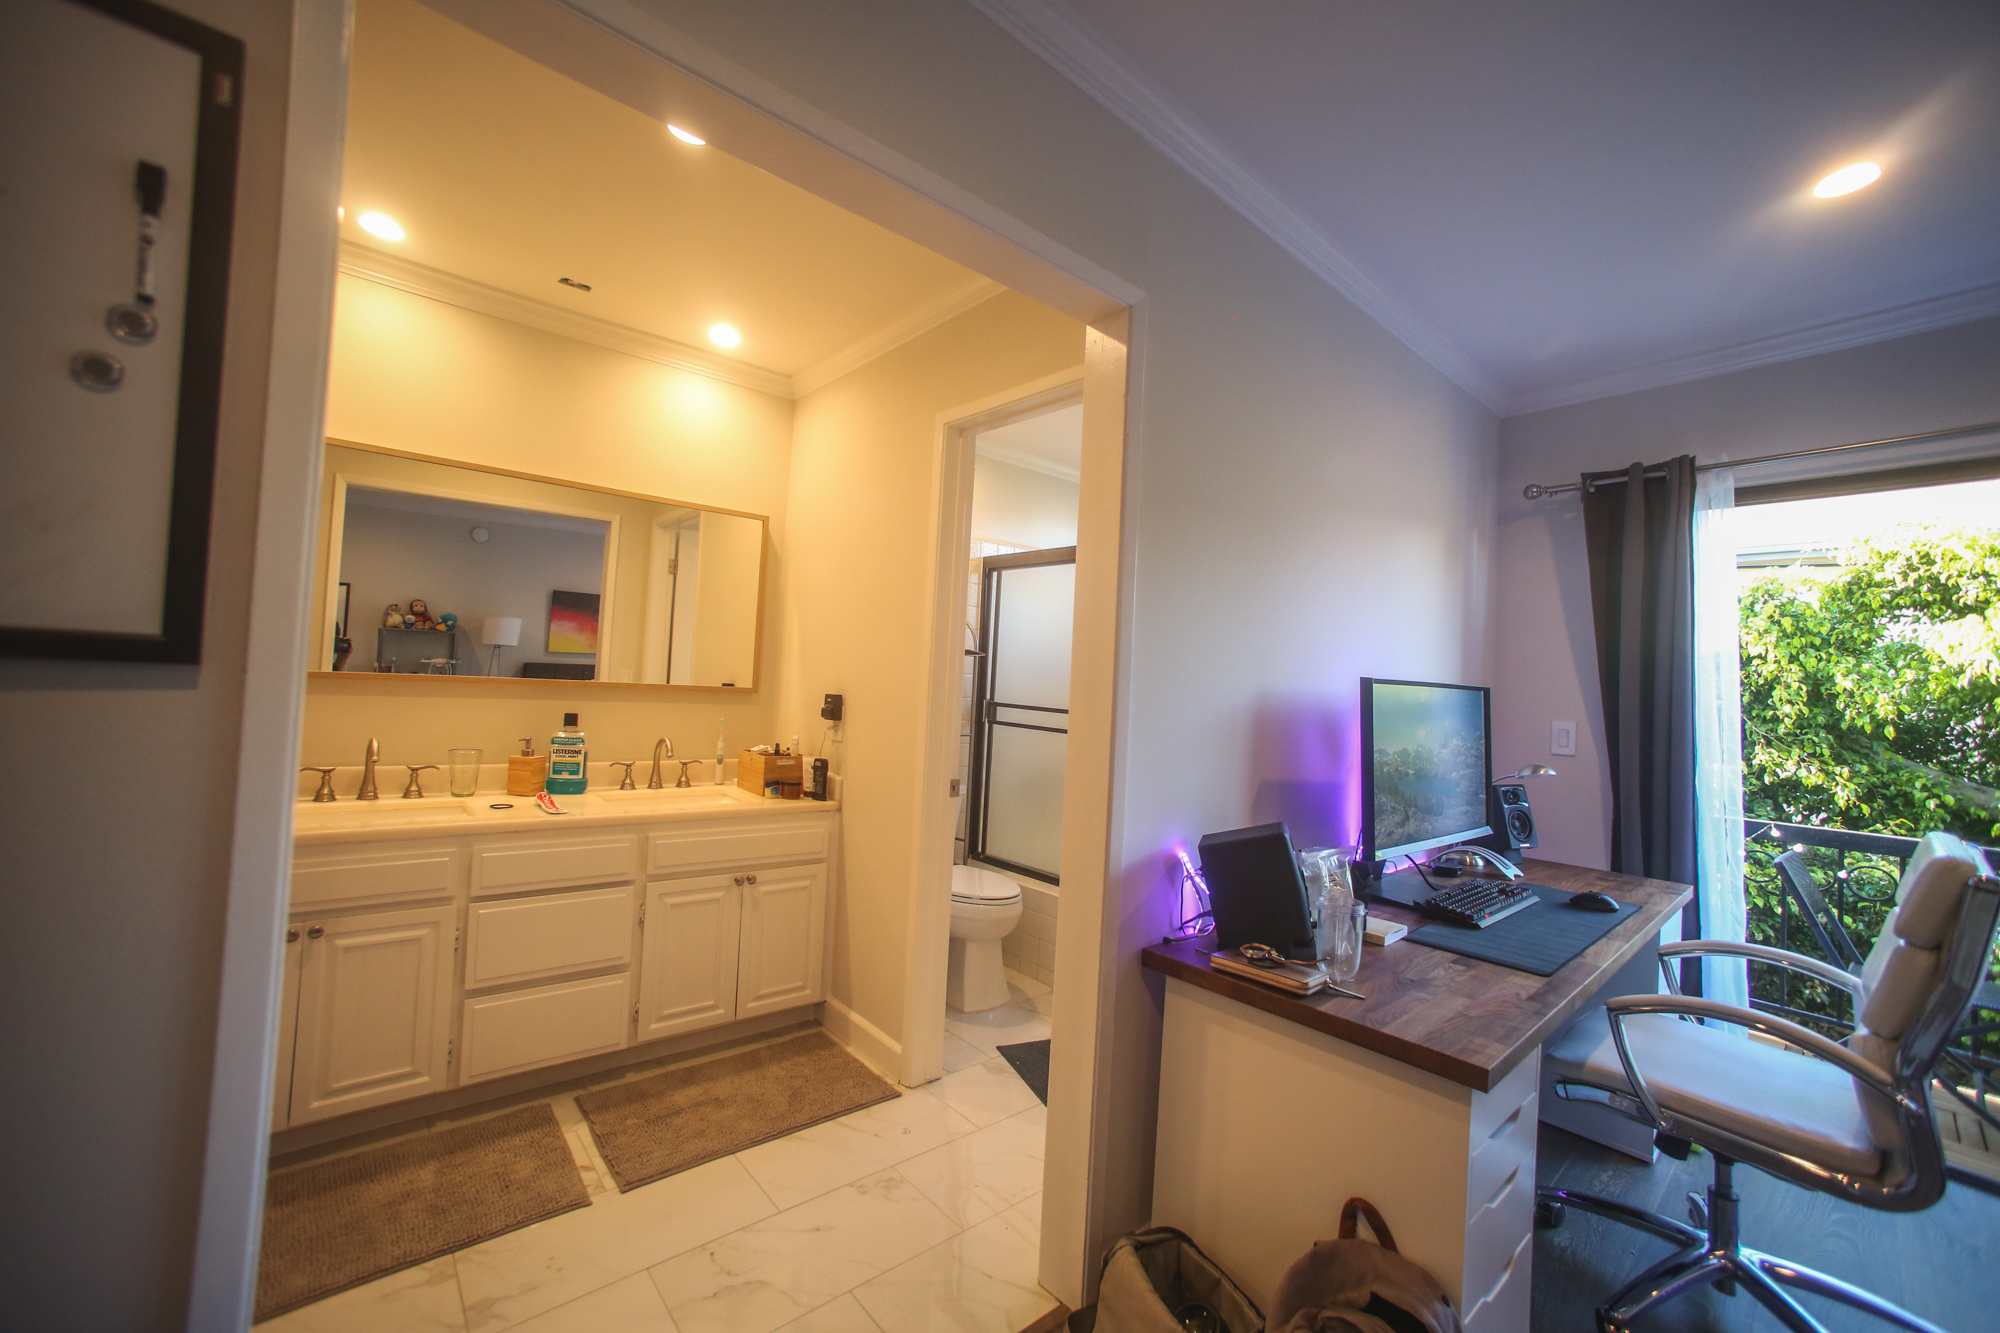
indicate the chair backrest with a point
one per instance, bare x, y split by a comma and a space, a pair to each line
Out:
1920, 978
1819, 915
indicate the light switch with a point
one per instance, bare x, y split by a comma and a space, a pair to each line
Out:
1562, 738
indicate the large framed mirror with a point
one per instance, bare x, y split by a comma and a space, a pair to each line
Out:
439, 568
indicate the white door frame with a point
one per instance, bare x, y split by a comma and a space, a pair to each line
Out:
644, 62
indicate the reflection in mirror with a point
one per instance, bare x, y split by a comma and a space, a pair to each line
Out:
437, 568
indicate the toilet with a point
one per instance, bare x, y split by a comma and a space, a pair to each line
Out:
985, 905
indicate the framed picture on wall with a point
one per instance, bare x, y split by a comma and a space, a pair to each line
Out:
573, 622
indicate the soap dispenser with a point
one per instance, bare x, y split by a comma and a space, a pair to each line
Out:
526, 771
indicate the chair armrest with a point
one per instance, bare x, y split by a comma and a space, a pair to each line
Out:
1759, 953
1863, 1071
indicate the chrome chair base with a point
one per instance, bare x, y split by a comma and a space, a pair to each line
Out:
1713, 1257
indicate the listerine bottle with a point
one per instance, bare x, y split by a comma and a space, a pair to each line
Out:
567, 758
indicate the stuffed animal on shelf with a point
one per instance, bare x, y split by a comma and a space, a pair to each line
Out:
393, 617
447, 621
419, 616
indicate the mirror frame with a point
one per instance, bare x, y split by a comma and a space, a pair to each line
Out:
334, 492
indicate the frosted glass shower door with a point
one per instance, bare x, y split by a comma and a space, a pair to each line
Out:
1021, 732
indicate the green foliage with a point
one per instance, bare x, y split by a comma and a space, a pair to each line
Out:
1871, 699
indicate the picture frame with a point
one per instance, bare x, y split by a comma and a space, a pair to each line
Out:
573, 622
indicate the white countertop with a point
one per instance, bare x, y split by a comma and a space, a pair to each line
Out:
391, 817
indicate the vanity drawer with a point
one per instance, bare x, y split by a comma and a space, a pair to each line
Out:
523, 1029
513, 867
377, 877
525, 939
698, 851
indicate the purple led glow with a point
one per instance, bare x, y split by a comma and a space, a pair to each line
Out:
1191, 910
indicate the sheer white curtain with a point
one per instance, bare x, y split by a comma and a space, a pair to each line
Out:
1718, 737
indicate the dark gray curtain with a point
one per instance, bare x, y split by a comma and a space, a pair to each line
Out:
1639, 528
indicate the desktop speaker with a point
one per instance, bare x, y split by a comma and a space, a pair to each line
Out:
1513, 822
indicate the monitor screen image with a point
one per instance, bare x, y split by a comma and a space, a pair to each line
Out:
1427, 765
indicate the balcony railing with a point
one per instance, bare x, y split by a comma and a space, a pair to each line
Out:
1857, 874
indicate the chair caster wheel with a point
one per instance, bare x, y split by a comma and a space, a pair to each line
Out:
1549, 1213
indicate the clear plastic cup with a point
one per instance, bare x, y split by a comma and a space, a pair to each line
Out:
464, 767
1347, 931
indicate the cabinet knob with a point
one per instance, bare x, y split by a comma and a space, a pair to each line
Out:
739, 880
314, 932
752, 879
292, 935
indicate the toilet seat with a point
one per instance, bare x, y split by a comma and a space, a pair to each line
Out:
974, 886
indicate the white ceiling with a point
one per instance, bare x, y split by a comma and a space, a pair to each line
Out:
1556, 200
508, 176
1051, 442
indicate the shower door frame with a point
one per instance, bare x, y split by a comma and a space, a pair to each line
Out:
985, 708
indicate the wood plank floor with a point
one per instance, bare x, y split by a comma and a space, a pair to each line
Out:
1942, 1264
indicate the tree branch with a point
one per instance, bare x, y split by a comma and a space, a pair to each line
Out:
1984, 799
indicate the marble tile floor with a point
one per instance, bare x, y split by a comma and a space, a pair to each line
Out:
920, 1215
970, 1037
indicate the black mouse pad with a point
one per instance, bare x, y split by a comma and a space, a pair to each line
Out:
1538, 939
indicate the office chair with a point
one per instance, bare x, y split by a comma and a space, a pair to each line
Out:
1853, 1120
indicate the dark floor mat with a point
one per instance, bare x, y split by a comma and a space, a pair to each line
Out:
1031, 1061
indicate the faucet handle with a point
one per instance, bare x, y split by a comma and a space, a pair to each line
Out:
684, 771
626, 764
325, 792
416, 787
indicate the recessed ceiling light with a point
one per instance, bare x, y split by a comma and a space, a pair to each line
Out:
1847, 180
380, 224
685, 137
722, 335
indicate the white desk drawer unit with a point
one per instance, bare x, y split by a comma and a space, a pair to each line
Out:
511, 940
736, 845
524, 1029
512, 868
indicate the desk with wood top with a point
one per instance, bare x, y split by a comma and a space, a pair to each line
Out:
1422, 1098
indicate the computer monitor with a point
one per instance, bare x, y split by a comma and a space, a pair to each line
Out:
1426, 760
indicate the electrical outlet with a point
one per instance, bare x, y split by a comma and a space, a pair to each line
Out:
1562, 738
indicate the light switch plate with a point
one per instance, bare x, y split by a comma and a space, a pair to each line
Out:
1562, 738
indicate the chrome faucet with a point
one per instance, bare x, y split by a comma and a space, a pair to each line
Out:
663, 749
368, 792
625, 764
325, 792
684, 771
415, 790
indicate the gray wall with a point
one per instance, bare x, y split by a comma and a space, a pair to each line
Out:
1545, 655
117, 829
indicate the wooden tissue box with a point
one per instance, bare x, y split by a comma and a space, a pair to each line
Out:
756, 771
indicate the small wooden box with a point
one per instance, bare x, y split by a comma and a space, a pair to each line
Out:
526, 774
756, 771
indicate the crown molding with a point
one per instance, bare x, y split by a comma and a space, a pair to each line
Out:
422, 280
919, 321
1898, 321
1086, 62
1020, 458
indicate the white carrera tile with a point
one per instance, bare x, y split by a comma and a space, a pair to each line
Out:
980, 1281
808, 1163
769, 1273
990, 1029
423, 1299
628, 1306
842, 1314
985, 1093
516, 1276
986, 1172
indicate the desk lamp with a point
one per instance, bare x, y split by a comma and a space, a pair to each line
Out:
498, 632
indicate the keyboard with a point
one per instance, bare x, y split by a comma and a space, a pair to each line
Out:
1478, 902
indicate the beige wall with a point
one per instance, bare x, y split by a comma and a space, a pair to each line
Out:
420, 375
861, 516
1546, 652
1022, 507
118, 859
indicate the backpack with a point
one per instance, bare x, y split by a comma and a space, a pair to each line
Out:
1152, 1278
1348, 1285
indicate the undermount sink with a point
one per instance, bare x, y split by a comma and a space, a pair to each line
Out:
390, 812
670, 798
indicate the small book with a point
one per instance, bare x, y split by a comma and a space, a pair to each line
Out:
1381, 930
1291, 978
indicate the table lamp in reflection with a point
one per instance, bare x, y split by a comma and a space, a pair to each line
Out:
498, 632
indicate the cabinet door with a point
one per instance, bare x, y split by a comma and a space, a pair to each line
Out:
374, 1010
688, 977
288, 1027
782, 959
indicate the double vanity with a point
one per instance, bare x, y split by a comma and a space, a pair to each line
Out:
440, 944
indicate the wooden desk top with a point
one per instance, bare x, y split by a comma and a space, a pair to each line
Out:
1460, 1018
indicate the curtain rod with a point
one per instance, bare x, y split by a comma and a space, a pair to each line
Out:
1534, 492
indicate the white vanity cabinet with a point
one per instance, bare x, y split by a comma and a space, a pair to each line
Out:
781, 959
688, 978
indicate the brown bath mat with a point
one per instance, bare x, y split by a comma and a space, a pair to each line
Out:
335, 1224
654, 1127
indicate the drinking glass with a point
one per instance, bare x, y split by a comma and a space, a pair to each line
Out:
464, 768
1347, 928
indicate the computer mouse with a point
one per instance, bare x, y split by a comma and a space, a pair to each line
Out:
1591, 901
